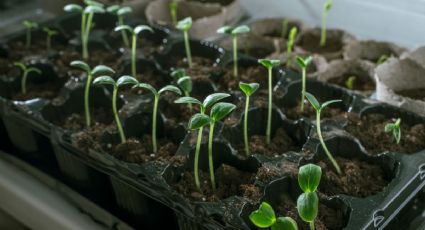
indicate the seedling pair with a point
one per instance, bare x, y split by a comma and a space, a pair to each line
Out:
29, 25
234, 33
265, 217
25, 71
120, 12
184, 82
184, 25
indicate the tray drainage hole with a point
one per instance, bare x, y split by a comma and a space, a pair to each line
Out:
378, 218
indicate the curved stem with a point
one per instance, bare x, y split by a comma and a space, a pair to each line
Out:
117, 118
86, 99
24, 82
322, 142
245, 127
187, 46
312, 225
323, 32
155, 111
269, 115
133, 55
235, 56
303, 80
123, 32
196, 161
210, 155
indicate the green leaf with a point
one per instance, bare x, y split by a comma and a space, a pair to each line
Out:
126, 80
20, 65
221, 110
178, 73
328, 103
93, 3
395, 129
184, 24
173, 6
309, 177
293, 34
303, 63
240, 30
113, 9
124, 10
308, 206
148, 87
313, 101
349, 83
92, 9
198, 120
33, 69
185, 83
29, 24
102, 69
224, 30
264, 217
248, 88
73, 8
397, 135
285, 223
49, 31
141, 28
269, 63
389, 127
382, 59
188, 100
104, 80
124, 27
210, 100
328, 5
170, 88
81, 65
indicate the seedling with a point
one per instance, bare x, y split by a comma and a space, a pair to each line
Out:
285, 23
308, 202
248, 89
382, 59
290, 45
29, 25
185, 25
269, 64
265, 217
394, 128
173, 11
184, 82
25, 71
198, 121
156, 95
316, 105
326, 8
349, 83
303, 64
134, 33
50, 33
100, 69
234, 32
122, 81
87, 15
120, 12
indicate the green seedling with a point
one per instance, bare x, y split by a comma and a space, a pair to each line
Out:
184, 82
234, 33
394, 128
173, 11
319, 107
349, 83
134, 32
269, 64
248, 89
87, 14
382, 59
308, 202
185, 25
156, 94
265, 217
285, 25
29, 25
100, 69
122, 81
50, 33
25, 72
198, 121
290, 45
120, 12
303, 64
326, 8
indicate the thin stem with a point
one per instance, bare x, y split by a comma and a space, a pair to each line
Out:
210, 155
133, 55
269, 116
86, 36
319, 133
83, 38
235, 56
289, 56
28, 38
187, 46
312, 225
173, 13
24, 82
196, 162
189, 104
48, 42
117, 118
245, 126
123, 32
323, 32
86, 99
155, 111
304, 73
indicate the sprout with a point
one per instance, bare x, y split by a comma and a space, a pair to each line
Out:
185, 25
303, 63
290, 45
326, 8
308, 202
349, 83
173, 11
269, 64
394, 128
123, 80
198, 121
134, 33
25, 71
285, 23
234, 32
316, 105
100, 69
87, 15
29, 25
248, 90
382, 59
50, 33
156, 94
120, 12
265, 217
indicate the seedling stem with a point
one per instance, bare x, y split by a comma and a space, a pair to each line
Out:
25, 71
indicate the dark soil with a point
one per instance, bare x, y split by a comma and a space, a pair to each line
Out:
201, 67
77, 121
235, 116
46, 90
268, 172
311, 42
416, 94
294, 113
361, 83
249, 74
176, 113
91, 138
370, 131
358, 179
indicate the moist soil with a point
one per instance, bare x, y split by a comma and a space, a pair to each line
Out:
370, 131
310, 42
363, 83
176, 113
358, 179
48, 90
249, 74
235, 116
294, 113
416, 94
77, 121
201, 67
